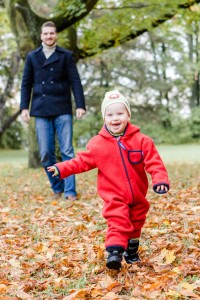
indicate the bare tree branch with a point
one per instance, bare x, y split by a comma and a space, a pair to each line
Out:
8, 122
134, 5
63, 23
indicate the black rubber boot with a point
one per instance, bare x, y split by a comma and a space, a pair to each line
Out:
114, 258
131, 254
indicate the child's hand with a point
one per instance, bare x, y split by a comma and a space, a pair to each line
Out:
53, 169
161, 189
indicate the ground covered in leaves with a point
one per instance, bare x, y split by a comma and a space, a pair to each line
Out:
55, 249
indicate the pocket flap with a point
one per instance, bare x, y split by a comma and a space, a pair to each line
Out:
135, 156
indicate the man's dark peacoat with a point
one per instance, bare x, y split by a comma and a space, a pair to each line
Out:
47, 83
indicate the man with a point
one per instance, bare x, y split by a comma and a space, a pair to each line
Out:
49, 75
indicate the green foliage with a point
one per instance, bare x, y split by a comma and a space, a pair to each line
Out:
70, 8
155, 69
86, 128
7, 44
122, 19
156, 73
9, 77
150, 120
179, 133
195, 123
164, 128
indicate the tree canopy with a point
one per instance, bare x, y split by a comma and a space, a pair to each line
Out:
141, 50
100, 24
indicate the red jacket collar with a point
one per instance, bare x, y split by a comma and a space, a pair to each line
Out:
129, 131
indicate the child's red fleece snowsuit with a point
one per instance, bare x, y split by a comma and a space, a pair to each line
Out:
122, 180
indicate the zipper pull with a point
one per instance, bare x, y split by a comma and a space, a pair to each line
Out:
121, 145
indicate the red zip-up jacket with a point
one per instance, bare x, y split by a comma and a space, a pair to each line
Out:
122, 164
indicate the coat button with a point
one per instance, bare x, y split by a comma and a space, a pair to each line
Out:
51, 69
43, 95
52, 82
42, 82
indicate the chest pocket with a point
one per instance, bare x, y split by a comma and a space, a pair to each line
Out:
135, 156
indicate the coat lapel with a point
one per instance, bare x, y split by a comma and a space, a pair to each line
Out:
54, 57
41, 60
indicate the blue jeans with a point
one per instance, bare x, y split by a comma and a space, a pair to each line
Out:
46, 128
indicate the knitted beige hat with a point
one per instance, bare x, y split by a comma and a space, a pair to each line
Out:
114, 97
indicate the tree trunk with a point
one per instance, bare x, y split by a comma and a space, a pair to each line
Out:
156, 65
33, 155
194, 58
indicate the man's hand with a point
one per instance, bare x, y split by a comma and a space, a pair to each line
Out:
80, 113
25, 115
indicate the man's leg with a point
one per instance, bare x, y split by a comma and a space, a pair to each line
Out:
46, 141
63, 125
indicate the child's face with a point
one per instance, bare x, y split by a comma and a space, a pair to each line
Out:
116, 117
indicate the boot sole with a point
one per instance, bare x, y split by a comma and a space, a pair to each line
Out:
132, 261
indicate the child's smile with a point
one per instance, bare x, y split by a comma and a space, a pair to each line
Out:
116, 128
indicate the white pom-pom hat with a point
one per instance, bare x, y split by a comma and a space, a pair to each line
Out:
114, 97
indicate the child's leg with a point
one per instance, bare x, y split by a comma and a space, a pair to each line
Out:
114, 258
131, 254
138, 216
120, 227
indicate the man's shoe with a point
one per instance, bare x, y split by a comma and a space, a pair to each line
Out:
131, 254
114, 258
57, 195
71, 198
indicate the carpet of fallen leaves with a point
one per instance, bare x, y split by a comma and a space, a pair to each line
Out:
54, 249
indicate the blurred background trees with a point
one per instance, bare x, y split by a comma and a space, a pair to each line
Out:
149, 50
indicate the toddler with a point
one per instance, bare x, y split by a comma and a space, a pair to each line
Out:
122, 155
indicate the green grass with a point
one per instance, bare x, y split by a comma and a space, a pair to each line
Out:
188, 153
13, 157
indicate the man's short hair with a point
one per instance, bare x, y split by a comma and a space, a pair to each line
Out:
48, 24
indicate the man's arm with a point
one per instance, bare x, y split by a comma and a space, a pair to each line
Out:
26, 86
76, 84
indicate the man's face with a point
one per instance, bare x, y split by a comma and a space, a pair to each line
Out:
48, 36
